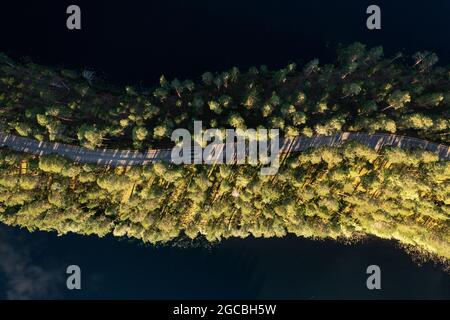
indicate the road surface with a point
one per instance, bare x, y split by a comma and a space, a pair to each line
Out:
131, 157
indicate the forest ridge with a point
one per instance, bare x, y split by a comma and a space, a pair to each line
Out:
345, 191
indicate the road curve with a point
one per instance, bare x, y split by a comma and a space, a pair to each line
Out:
130, 157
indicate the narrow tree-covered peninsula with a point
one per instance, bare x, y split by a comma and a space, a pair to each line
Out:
345, 191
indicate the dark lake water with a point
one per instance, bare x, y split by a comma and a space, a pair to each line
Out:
135, 43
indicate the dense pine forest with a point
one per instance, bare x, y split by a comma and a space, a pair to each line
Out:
361, 91
339, 192
345, 192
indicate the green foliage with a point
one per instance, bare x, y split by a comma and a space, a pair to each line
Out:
140, 133
375, 94
327, 192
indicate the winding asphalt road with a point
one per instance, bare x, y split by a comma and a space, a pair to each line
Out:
129, 157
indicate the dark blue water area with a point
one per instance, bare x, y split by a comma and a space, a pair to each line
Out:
287, 268
134, 42
137, 41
